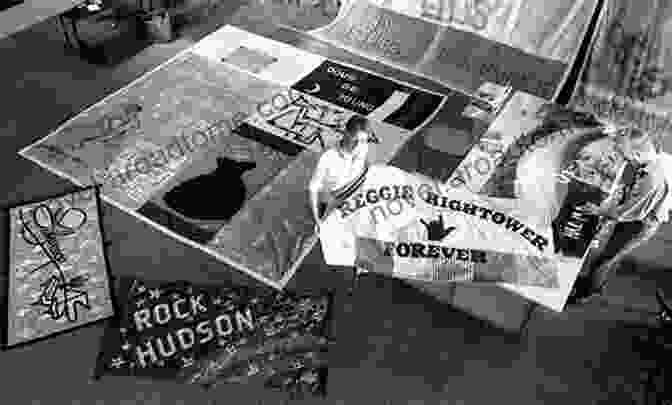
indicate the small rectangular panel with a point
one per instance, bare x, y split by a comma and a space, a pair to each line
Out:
219, 334
58, 272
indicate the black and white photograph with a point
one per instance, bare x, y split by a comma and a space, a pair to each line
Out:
336, 202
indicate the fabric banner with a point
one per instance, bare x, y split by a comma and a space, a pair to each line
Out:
537, 162
209, 335
58, 272
629, 76
371, 95
249, 115
166, 138
566, 161
550, 29
463, 44
412, 231
561, 160
436, 263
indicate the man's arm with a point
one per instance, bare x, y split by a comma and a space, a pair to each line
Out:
314, 188
648, 200
314, 201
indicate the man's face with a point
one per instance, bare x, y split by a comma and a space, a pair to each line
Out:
362, 136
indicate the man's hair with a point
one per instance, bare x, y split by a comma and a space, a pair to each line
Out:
354, 124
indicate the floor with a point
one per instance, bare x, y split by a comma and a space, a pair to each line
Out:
416, 350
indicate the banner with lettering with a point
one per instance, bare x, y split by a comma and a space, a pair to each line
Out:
537, 162
629, 75
436, 262
57, 276
410, 224
558, 161
551, 29
568, 160
530, 45
210, 335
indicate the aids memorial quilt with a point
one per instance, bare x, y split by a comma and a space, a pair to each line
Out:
58, 277
629, 75
241, 119
210, 335
529, 45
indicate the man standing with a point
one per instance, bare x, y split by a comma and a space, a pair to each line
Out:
642, 209
340, 172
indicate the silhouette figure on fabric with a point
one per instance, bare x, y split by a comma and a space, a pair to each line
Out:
217, 195
113, 127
